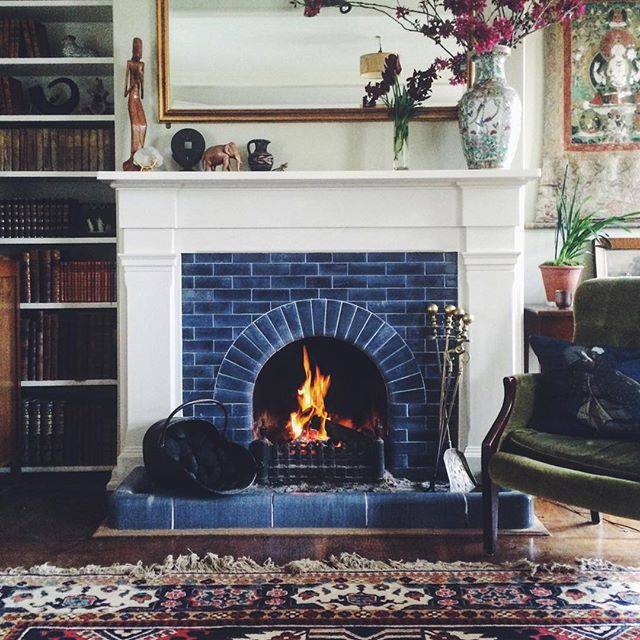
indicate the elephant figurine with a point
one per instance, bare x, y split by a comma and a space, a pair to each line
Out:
221, 155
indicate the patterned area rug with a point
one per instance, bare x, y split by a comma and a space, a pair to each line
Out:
344, 598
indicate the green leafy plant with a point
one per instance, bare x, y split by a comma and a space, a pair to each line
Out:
576, 227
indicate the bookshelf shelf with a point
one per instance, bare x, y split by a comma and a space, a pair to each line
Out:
68, 305
55, 66
72, 118
56, 241
59, 10
71, 175
67, 469
69, 383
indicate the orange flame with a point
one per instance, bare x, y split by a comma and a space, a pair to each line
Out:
311, 397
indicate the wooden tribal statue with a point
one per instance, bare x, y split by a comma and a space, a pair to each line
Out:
134, 91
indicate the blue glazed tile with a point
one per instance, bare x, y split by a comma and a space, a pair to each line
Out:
270, 269
451, 282
357, 324
288, 282
387, 306
304, 269
319, 257
197, 346
398, 410
347, 312
290, 312
398, 435
413, 381
204, 384
251, 282
229, 396
306, 510
231, 320
367, 269
208, 358
187, 308
451, 256
197, 295
266, 327
386, 281
233, 295
425, 281
304, 313
197, 321
368, 295
259, 339
232, 269
188, 258
409, 396
332, 269
231, 369
198, 372
339, 295
209, 333
406, 320
212, 307
251, 307
249, 348
372, 326
222, 346
213, 282
318, 312
187, 333
187, 282
303, 294
197, 269
271, 295
404, 369
333, 312
515, 510
318, 282
288, 257
386, 257
251, 257
240, 410
402, 269
233, 384
188, 358
407, 294
243, 359
244, 510
349, 257
433, 256
391, 346
415, 510
213, 257
279, 322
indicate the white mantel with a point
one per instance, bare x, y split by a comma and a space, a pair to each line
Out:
479, 214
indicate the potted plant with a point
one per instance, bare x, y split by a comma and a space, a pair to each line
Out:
576, 228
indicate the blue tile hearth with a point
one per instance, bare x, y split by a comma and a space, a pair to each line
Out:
136, 504
240, 309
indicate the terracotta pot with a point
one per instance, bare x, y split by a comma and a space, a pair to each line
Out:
560, 278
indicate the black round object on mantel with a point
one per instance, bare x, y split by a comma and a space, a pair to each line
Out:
191, 455
187, 147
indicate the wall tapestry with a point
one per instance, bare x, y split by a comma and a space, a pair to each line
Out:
592, 67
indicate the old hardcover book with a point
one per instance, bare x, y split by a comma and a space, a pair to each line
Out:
24, 347
46, 446
40, 346
34, 262
25, 277
56, 284
55, 337
77, 150
85, 150
45, 275
58, 432
39, 134
26, 431
54, 138
46, 149
35, 432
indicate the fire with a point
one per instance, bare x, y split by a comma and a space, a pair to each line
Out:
311, 397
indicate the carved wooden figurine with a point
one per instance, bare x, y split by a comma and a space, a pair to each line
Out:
220, 156
134, 90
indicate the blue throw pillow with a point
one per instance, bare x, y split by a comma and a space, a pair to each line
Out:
587, 391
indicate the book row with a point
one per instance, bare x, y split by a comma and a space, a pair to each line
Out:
46, 278
62, 432
12, 98
75, 345
23, 39
56, 149
21, 218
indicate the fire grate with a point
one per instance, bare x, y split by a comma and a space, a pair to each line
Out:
319, 462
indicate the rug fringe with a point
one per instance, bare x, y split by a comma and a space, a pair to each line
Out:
212, 563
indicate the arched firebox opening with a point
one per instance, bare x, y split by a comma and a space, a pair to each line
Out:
316, 388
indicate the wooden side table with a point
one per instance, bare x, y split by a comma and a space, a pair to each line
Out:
542, 320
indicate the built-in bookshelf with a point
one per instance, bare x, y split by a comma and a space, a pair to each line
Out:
58, 223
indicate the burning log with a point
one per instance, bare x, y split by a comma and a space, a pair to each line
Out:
339, 433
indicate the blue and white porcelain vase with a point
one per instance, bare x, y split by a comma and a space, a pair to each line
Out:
490, 114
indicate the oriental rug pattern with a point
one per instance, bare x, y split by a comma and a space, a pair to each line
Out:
241, 600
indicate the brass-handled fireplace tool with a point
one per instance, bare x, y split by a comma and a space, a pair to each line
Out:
450, 334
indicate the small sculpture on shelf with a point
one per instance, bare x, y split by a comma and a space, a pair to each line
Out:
56, 104
187, 147
134, 91
260, 158
71, 49
148, 158
450, 335
220, 156
99, 103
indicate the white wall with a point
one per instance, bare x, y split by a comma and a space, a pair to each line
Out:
346, 146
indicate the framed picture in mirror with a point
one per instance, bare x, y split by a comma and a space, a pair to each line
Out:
617, 257
262, 60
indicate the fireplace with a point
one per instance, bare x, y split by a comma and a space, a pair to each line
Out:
319, 415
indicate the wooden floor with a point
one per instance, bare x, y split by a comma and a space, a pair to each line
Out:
53, 519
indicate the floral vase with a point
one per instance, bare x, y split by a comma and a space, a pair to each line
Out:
490, 114
400, 145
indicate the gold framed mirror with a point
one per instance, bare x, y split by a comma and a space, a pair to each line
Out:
263, 61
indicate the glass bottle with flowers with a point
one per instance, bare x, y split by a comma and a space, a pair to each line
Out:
483, 31
403, 102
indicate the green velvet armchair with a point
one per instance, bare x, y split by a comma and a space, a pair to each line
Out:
602, 475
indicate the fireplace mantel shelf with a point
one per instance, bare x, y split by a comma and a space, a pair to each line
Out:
310, 179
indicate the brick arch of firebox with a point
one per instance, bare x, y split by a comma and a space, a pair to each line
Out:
337, 319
